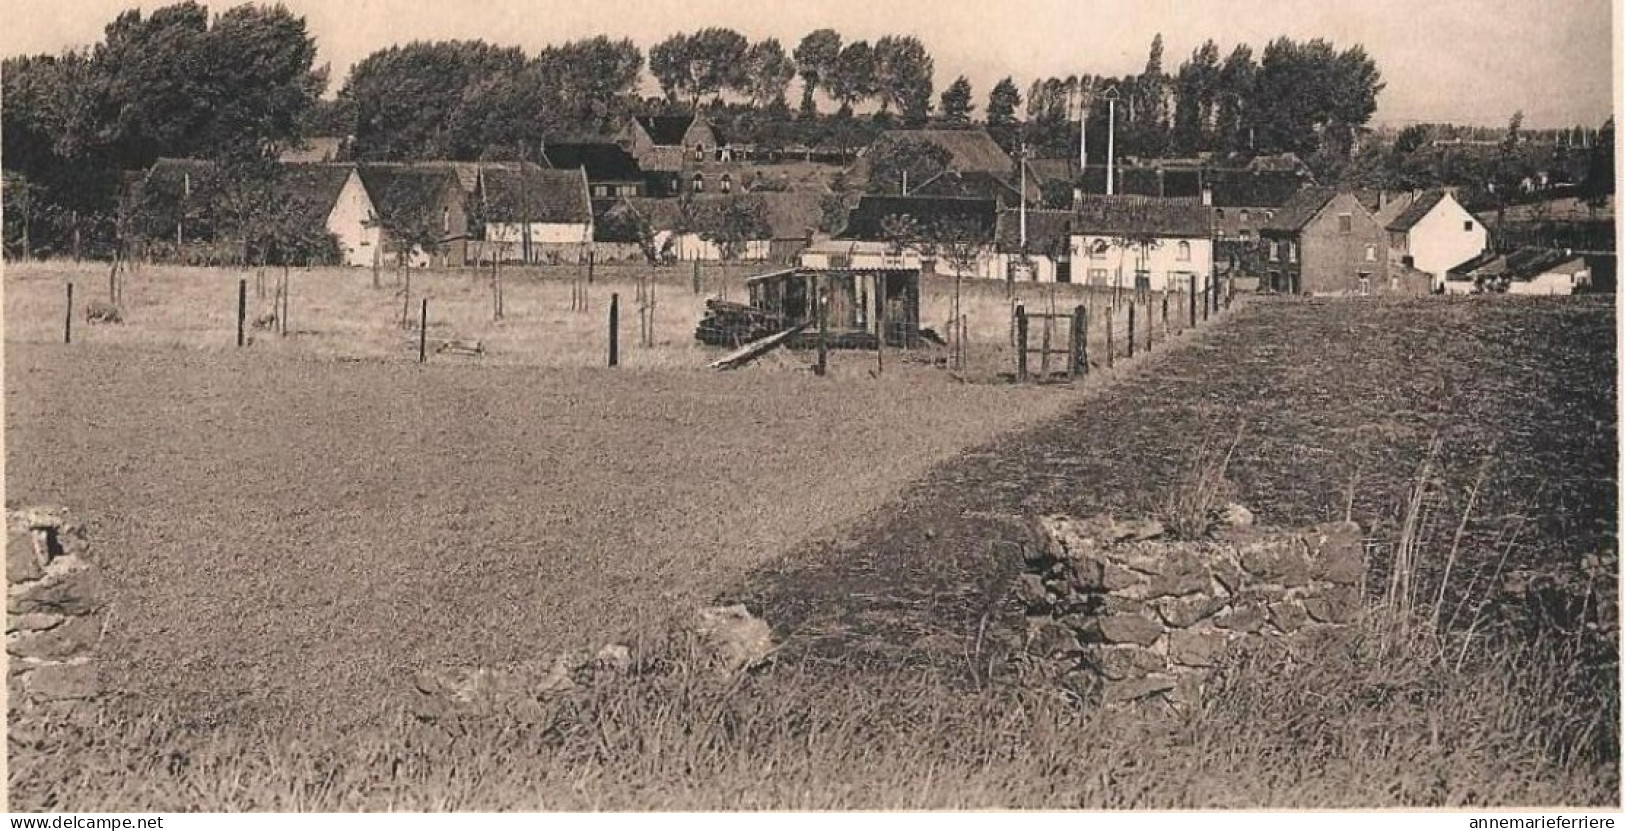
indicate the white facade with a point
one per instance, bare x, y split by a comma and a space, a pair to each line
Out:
353, 221
1165, 264
1561, 280
694, 247
1446, 237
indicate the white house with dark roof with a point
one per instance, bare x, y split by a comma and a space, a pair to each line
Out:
1141, 243
1431, 232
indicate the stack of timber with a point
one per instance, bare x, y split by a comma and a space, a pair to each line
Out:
732, 324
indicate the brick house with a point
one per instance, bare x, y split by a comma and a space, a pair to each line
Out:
1324, 241
669, 148
611, 169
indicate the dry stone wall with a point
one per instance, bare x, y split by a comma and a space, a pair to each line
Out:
54, 612
1127, 615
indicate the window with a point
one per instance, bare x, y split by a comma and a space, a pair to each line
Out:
445, 220
1184, 251
1371, 253
1218, 213
1274, 251
1365, 283
1345, 223
1291, 252
1246, 217
699, 152
600, 190
1467, 226
727, 183
1097, 276
699, 183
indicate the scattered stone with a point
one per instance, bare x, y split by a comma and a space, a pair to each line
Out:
1339, 553
1339, 604
1236, 515
1246, 618
1229, 574
60, 596
1276, 561
1130, 629
1119, 662
32, 622
1123, 692
101, 311
22, 564
614, 657
1139, 529
1050, 639
1185, 612
737, 638
1196, 648
78, 636
1115, 578
1032, 592
1288, 615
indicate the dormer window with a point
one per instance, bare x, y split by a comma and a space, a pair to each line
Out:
699, 152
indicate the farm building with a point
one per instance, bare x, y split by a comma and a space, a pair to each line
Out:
1325, 242
1141, 243
771, 226
1430, 231
532, 214
891, 229
423, 203
671, 143
336, 197
979, 167
611, 170
1526, 271
1046, 256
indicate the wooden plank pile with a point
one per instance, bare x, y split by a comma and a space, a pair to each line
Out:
732, 324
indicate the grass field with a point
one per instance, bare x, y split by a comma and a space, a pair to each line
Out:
288, 539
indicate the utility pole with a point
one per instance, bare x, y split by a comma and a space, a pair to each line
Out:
1111, 140
1021, 160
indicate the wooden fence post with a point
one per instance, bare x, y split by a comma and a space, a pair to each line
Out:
880, 322
1080, 340
242, 307
1131, 328
615, 329
1021, 342
696, 276
820, 296
1043, 361
67, 325
1111, 312
1193, 300
1207, 296
1164, 312
423, 333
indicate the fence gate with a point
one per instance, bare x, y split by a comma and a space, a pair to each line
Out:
1059, 339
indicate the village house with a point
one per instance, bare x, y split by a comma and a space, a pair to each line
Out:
423, 201
1046, 256
1141, 243
1431, 232
1526, 271
611, 170
977, 167
688, 228
1324, 241
896, 232
336, 197
533, 214
671, 148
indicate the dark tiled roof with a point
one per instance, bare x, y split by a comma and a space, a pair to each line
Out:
1138, 215
529, 193
1485, 261
976, 184
866, 220
1053, 170
972, 150
1528, 263
1254, 188
1048, 232
1301, 208
1418, 208
603, 161
313, 189
409, 193
666, 130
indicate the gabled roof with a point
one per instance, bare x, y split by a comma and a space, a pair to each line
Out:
1486, 263
1142, 216
666, 130
1413, 213
603, 161
866, 222
529, 193
171, 177
1048, 232
978, 184
972, 150
314, 188
405, 190
1054, 170
1300, 209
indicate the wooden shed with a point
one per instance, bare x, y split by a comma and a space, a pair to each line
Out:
856, 298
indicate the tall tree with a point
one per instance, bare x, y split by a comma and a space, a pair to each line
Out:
902, 73
1197, 92
816, 58
1309, 95
768, 72
957, 103
1235, 95
854, 79
909, 160
701, 64
1001, 114
441, 100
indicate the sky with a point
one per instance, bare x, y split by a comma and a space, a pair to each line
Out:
1462, 61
